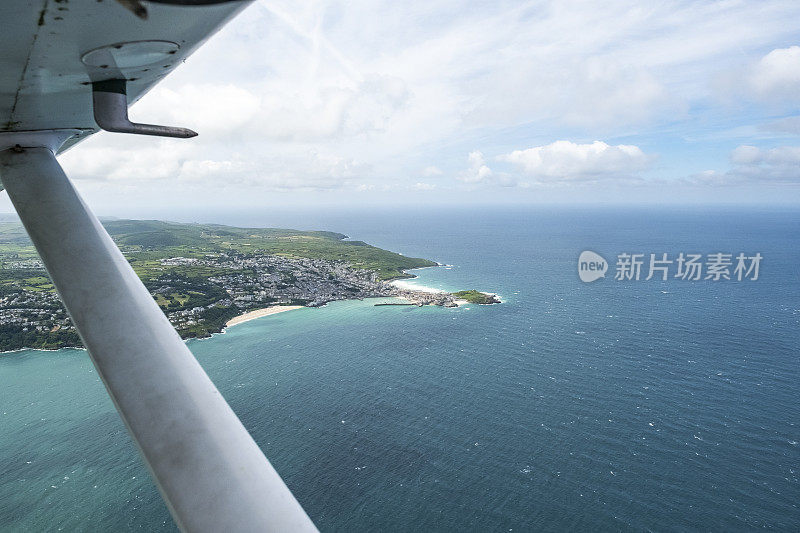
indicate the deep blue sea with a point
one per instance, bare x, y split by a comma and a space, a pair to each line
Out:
605, 406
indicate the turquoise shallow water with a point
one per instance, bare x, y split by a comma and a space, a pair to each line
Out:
634, 406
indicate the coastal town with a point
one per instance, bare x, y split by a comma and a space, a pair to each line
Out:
257, 281
210, 287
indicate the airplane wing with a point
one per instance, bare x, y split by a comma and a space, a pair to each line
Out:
67, 69
51, 51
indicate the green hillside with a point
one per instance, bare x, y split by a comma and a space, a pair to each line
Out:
146, 242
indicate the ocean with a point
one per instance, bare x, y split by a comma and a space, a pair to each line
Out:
605, 406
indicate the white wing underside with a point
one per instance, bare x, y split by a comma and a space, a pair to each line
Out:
45, 85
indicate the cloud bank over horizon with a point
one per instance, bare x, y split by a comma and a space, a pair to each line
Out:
505, 100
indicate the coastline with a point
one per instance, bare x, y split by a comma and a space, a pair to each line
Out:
407, 275
401, 283
406, 284
258, 313
239, 319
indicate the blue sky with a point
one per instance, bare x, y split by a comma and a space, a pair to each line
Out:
485, 102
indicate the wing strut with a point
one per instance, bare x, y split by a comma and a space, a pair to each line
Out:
211, 473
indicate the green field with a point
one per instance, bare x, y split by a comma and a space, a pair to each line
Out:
146, 242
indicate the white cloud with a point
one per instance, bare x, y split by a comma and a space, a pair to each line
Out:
777, 74
324, 95
301, 171
142, 161
568, 161
213, 110
606, 92
771, 80
753, 165
278, 112
781, 164
477, 171
120, 158
431, 171
782, 155
745, 155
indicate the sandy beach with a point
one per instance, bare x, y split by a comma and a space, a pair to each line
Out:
258, 313
411, 286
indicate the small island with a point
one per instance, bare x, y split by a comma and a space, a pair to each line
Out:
476, 297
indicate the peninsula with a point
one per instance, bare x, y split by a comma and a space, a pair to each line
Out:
207, 276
